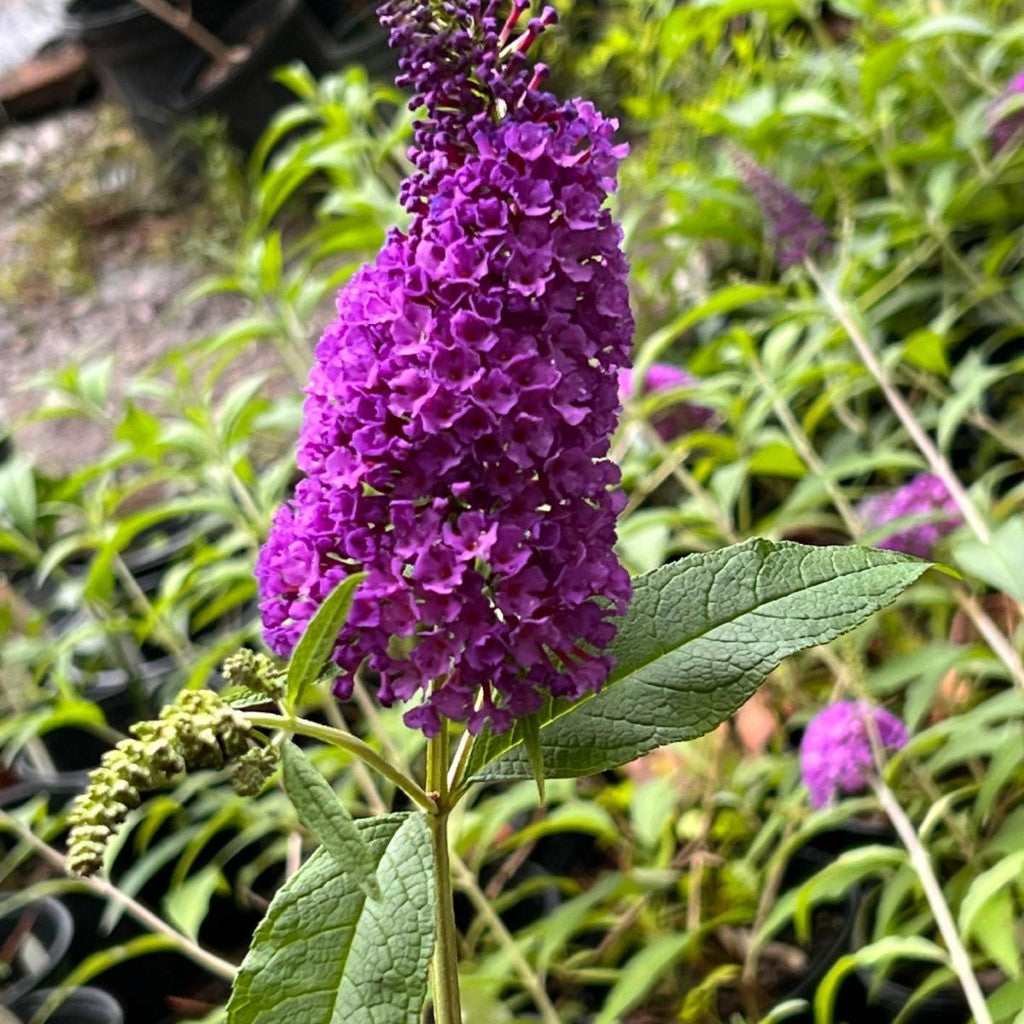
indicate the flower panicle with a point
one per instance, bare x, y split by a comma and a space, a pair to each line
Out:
795, 231
197, 731
926, 495
458, 417
836, 753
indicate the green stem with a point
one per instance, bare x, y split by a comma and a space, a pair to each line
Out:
447, 1004
346, 741
959, 959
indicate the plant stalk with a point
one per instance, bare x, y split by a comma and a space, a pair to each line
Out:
183, 22
447, 1002
959, 959
355, 746
213, 963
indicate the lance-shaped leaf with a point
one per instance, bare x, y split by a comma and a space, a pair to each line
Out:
699, 637
317, 642
321, 812
325, 954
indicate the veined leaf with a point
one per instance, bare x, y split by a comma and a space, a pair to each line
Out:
699, 637
324, 954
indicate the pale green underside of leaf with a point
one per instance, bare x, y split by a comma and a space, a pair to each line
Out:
325, 954
700, 635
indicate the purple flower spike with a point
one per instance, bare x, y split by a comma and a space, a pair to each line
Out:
795, 232
1006, 115
836, 756
680, 418
458, 417
925, 495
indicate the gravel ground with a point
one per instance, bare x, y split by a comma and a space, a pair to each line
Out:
95, 252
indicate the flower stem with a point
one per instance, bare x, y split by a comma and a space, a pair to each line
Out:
346, 741
213, 963
959, 959
447, 1003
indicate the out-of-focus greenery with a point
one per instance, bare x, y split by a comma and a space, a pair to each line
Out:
659, 889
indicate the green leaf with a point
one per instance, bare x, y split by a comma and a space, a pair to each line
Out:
995, 927
186, 905
927, 350
317, 642
18, 494
320, 810
981, 897
530, 727
997, 562
947, 25
324, 954
640, 975
699, 637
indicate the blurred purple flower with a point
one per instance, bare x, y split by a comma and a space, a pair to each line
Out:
458, 419
835, 754
795, 232
1006, 115
925, 495
679, 418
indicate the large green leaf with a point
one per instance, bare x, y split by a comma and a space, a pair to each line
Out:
325, 954
699, 637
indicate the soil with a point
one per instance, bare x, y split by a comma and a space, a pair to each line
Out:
97, 249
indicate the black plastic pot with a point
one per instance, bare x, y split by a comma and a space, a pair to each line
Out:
139, 58
82, 1006
277, 32
35, 938
947, 1006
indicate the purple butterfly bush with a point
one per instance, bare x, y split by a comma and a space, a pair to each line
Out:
458, 416
679, 418
835, 754
1006, 115
795, 232
925, 495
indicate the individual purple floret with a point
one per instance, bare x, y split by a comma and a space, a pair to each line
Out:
458, 417
679, 418
1006, 115
925, 495
795, 232
835, 754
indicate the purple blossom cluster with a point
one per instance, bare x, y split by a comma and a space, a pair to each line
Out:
458, 416
1006, 115
925, 495
795, 232
679, 418
836, 754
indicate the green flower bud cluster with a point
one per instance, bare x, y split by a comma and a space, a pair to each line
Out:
255, 672
253, 768
198, 731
